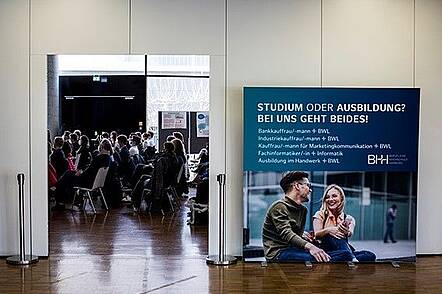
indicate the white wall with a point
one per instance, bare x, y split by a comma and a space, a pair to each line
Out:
80, 26
368, 43
429, 79
217, 139
177, 27
272, 43
39, 151
14, 119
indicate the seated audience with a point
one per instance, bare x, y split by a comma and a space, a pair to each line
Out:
164, 175
67, 151
122, 156
136, 142
78, 133
74, 144
84, 156
135, 156
178, 135
66, 136
105, 135
57, 158
113, 138
52, 173
150, 139
181, 187
83, 178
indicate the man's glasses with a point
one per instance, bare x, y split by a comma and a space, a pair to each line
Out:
309, 185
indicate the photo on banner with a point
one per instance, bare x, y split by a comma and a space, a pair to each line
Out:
202, 124
174, 120
330, 174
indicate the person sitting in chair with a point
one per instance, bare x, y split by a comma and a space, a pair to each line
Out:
125, 164
57, 158
83, 178
164, 175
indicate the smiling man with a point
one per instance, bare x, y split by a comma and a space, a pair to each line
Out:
284, 224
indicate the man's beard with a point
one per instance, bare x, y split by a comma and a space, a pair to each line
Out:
305, 197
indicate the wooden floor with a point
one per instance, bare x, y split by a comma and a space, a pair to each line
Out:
125, 253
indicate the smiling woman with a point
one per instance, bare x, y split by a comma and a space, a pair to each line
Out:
331, 215
332, 226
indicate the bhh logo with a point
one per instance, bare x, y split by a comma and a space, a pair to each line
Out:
377, 159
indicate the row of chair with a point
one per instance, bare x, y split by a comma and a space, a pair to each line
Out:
172, 197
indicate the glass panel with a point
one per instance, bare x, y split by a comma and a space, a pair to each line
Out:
374, 215
259, 202
375, 181
101, 64
398, 183
265, 179
353, 208
314, 204
175, 94
345, 179
172, 65
317, 177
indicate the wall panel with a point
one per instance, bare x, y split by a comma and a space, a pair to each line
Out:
270, 43
80, 27
429, 79
217, 140
368, 43
39, 153
14, 119
178, 27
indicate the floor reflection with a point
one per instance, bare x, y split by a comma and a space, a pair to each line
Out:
122, 232
122, 252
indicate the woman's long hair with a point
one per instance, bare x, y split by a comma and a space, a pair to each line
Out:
179, 147
84, 142
341, 206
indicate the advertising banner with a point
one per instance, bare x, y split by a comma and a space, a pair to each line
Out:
202, 124
174, 120
330, 174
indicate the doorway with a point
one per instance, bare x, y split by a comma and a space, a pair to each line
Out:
134, 103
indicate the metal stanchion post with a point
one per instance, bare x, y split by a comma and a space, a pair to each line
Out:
22, 258
221, 258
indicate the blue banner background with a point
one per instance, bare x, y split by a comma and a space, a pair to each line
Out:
399, 129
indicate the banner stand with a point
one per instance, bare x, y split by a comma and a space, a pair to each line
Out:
221, 258
23, 258
357, 145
